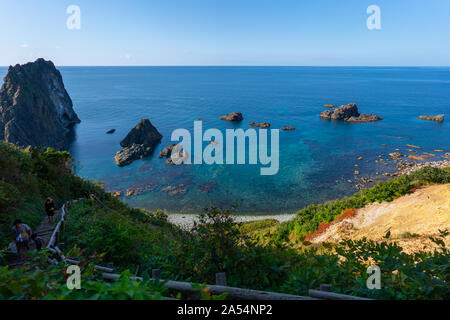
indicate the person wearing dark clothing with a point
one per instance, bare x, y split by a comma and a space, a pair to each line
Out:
50, 209
38, 242
21, 234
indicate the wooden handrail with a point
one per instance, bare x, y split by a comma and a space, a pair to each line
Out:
233, 293
52, 240
333, 296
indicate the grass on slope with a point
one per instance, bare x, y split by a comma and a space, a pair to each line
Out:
28, 177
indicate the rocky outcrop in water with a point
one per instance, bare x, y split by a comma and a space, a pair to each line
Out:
349, 113
438, 118
139, 143
365, 118
234, 117
35, 108
167, 152
263, 125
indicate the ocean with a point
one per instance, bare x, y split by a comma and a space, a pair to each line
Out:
317, 160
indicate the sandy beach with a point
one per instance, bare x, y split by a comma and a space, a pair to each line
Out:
187, 220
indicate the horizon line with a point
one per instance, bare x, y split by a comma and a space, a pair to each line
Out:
256, 66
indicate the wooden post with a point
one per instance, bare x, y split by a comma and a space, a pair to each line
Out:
326, 287
221, 279
156, 274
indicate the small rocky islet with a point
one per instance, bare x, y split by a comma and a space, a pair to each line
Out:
139, 143
348, 113
438, 118
263, 125
233, 117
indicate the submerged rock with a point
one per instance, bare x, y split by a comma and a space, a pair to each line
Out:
207, 187
331, 106
235, 116
140, 188
35, 108
438, 118
139, 143
176, 190
111, 131
287, 128
349, 113
417, 157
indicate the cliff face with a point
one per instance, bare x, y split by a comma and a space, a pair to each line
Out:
35, 108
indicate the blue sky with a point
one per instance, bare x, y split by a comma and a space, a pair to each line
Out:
226, 32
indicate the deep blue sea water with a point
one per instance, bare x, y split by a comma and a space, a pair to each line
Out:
316, 160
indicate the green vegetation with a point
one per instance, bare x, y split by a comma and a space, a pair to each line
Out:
39, 280
128, 237
27, 178
404, 276
216, 244
256, 255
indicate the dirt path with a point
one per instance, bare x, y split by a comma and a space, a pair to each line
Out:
411, 219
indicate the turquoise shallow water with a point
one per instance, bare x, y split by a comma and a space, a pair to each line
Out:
316, 160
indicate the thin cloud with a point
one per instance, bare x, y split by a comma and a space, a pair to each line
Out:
126, 56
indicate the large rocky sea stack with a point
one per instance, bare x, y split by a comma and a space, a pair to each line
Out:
35, 108
139, 143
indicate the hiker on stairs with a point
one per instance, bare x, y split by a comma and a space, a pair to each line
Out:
21, 234
50, 209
